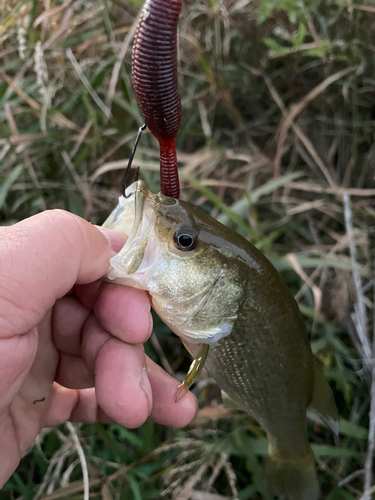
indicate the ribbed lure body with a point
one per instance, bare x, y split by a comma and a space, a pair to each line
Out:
155, 81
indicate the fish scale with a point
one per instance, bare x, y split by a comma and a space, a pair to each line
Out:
249, 387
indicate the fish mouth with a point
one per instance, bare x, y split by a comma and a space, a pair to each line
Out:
121, 219
137, 212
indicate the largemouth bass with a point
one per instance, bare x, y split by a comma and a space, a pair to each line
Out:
234, 314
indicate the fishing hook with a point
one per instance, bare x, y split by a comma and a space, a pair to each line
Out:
125, 179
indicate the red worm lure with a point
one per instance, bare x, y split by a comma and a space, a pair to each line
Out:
154, 71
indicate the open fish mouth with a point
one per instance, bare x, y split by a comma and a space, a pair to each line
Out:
131, 217
121, 219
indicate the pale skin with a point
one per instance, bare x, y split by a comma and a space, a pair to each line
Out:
71, 344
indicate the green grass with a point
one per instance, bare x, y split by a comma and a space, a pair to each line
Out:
244, 67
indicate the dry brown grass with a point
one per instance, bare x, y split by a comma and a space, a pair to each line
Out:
276, 141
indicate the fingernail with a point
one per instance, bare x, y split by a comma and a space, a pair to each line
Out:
115, 239
151, 322
146, 386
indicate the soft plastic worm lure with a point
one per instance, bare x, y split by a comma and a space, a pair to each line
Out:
155, 81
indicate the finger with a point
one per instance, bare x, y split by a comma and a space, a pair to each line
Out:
93, 338
69, 317
72, 372
165, 410
124, 312
164, 387
75, 405
122, 386
41, 258
87, 294
82, 406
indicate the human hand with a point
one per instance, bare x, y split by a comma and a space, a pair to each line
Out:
71, 346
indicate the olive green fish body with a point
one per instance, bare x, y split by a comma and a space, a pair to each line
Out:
211, 286
267, 357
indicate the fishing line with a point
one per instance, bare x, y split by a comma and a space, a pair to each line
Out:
126, 179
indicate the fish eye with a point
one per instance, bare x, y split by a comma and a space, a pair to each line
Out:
185, 238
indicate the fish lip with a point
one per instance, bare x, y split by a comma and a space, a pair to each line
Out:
140, 195
130, 258
121, 219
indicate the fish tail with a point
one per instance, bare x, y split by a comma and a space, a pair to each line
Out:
295, 479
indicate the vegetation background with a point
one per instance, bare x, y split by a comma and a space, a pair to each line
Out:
277, 141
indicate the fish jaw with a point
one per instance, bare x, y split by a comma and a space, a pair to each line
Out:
137, 261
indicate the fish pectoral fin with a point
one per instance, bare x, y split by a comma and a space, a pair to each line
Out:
322, 400
194, 370
209, 336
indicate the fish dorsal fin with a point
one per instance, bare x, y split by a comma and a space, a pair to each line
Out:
322, 400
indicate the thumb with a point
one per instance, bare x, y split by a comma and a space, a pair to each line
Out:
42, 258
